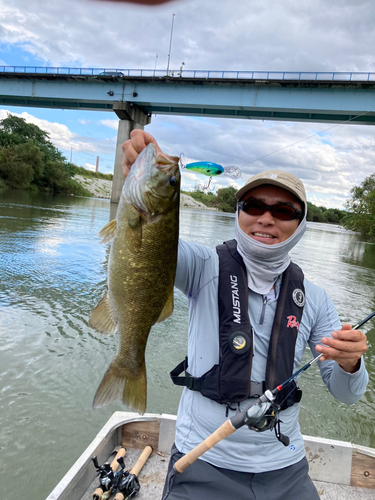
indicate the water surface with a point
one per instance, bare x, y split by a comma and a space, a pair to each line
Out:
52, 274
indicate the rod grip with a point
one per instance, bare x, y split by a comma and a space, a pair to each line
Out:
97, 495
225, 430
141, 461
119, 496
115, 465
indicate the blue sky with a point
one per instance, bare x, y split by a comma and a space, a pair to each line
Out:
211, 35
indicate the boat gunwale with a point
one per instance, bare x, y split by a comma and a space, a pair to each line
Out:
322, 454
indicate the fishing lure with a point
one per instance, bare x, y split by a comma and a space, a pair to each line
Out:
211, 170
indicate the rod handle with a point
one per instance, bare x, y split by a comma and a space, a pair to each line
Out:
115, 465
141, 461
225, 430
97, 495
119, 496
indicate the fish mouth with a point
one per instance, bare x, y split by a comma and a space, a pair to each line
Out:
165, 162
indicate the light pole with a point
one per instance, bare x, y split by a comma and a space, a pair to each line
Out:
156, 60
180, 72
170, 45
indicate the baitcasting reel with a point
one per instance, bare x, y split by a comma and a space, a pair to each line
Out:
264, 416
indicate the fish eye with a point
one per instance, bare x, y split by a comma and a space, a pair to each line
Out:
172, 181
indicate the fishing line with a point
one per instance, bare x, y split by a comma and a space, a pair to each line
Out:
304, 139
213, 169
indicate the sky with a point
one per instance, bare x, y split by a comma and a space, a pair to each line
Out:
241, 35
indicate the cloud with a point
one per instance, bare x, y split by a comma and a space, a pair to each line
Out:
110, 123
233, 35
64, 139
215, 34
89, 166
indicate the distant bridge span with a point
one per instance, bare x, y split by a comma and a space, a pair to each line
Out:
135, 95
290, 96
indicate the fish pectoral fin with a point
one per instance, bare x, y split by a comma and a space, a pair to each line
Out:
135, 223
107, 233
134, 218
101, 317
167, 309
120, 384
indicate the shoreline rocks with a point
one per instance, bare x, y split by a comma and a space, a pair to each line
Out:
101, 188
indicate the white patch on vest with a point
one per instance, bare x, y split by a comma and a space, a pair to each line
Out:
235, 299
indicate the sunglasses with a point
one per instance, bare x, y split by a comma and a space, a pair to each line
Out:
281, 211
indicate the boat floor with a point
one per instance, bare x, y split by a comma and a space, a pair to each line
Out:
152, 476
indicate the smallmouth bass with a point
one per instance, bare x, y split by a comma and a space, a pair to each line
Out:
141, 272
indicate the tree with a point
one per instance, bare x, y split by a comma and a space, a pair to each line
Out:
361, 208
226, 199
29, 160
20, 164
15, 130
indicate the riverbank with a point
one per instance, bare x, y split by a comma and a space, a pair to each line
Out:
101, 188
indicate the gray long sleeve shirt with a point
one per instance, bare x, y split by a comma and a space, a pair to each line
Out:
198, 416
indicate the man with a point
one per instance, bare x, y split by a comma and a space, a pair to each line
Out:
251, 315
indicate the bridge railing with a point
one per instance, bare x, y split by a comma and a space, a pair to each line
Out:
195, 74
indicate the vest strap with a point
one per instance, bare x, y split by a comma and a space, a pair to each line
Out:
194, 383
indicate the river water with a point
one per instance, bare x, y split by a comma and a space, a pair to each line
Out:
52, 274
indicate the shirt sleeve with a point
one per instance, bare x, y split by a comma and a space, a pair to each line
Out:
346, 387
191, 267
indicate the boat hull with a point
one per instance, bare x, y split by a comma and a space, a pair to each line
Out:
339, 469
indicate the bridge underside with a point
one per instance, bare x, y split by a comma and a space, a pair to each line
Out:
306, 101
189, 110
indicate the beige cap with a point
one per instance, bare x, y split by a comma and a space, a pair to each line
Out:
279, 178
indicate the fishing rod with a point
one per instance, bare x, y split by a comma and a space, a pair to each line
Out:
307, 365
260, 416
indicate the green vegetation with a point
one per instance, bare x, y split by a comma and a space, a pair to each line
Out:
323, 214
361, 208
90, 173
29, 160
225, 201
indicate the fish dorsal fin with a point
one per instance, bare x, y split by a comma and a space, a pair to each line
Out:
107, 233
167, 309
101, 318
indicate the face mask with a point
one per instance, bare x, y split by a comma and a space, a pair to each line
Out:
264, 263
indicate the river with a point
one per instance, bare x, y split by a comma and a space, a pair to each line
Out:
52, 274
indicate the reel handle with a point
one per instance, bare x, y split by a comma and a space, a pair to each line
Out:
115, 464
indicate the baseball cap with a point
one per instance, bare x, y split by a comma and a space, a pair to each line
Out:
284, 180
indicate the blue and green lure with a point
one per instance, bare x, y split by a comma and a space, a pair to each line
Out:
206, 168
211, 170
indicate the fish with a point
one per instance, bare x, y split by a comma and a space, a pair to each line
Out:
141, 272
205, 168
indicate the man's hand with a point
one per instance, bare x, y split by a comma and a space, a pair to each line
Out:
139, 139
346, 348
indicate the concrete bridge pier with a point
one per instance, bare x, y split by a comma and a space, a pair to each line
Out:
130, 118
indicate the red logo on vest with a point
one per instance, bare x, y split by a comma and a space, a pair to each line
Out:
292, 322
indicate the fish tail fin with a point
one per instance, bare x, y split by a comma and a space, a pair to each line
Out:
121, 384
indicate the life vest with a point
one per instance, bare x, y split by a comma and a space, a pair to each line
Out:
229, 381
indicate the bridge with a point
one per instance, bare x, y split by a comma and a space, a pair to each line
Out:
134, 95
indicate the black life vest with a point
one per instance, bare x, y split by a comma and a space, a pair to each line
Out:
230, 380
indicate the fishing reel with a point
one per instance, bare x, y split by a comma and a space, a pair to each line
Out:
105, 473
264, 416
108, 478
129, 485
